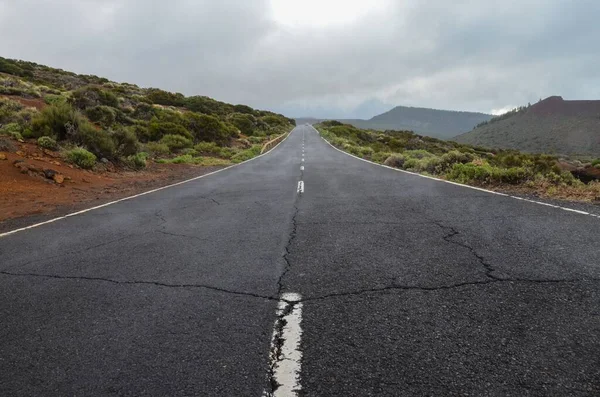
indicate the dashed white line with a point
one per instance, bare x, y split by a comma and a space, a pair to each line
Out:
286, 356
301, 187
301, 168
463, 185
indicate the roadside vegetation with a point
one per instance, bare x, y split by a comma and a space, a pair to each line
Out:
541, 174
92, 120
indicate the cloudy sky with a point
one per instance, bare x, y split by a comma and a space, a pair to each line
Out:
328, 58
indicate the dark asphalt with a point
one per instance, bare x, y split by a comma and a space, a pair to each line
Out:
410, 287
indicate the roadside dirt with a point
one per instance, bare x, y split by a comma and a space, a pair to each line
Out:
27, 196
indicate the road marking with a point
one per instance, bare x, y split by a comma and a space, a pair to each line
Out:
301, 168
138, 195
303, 160
286, 356
462, 185
301, 187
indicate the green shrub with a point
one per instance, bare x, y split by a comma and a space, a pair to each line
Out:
256, 139
158, 129
8, 110
27, 133
157, 148
380, 157
208, 148
52, 99
165, 98
126, 142
365, 151
418, 154
246, 123
90, 96
60, 121
184, 159
96, 141
246, 154
47, 143
137, 160
81, 157
410, 163
175, 142
485, 173
395, 160
103, 115
11, 128
207, 128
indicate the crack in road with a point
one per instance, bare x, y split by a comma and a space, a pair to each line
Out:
398, 287
489, 268
140, 282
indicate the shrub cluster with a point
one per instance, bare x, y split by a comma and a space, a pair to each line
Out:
109, 120
81, 158
450, 160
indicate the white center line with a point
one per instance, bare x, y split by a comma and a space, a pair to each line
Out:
301, 168
301, 187
286, 356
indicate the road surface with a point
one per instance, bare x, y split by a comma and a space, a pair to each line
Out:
358, 281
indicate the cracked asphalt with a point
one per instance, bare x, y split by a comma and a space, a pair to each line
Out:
409, 286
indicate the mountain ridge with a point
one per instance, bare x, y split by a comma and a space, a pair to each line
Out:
553, 125
437, 123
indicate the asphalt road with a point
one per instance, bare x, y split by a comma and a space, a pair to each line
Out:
408, 286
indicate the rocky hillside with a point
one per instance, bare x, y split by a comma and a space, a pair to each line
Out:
550, 126
442, 124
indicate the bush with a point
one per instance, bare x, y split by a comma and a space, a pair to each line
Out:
158, 129
485, 173
185, 159
8, 110
157, 148
365, 151
207, 128
175, 142
90, 96
395, 160
165, 98
103, 115
58, 121
246, 154
126, 142
81, 157
137, 160
208, 148
13, 130
47, 143
97, 141
246, 123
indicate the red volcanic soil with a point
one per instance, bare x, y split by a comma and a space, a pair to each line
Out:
29, 193
556, 105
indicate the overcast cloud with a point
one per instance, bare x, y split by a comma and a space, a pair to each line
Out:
325, 57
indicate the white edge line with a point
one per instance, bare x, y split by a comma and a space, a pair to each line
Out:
139, 194
458, 184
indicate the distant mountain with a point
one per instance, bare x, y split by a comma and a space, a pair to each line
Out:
363, 110
442, 124
551, 126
